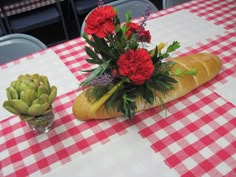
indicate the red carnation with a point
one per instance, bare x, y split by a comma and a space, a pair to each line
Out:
136, 65
133, 28
145, 36
100, 21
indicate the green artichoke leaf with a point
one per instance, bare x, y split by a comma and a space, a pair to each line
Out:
31, 84
9, 108
36, 79
52, 95
25, 117
11, 93
37, 109
40, 101
19, 105
22, 85
13, 84
42, 90
28, 96
43, 99
16, 85
36, 101
45, 81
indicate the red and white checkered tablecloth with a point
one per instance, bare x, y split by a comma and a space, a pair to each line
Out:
196, 136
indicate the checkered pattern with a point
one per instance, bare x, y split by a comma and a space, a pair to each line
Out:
196, 136
26, 6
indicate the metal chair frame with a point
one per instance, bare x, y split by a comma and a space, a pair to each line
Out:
13, 46
171, 3
7, 19
2, 27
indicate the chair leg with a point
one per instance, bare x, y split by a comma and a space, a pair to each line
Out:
3, 28
75, 15
62, 20
5, 18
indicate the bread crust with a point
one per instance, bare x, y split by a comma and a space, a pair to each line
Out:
207, 66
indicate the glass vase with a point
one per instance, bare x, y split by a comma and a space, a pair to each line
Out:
42, 123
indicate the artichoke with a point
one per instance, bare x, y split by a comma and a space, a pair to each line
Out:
30, 96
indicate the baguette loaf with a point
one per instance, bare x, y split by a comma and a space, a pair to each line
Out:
207, 67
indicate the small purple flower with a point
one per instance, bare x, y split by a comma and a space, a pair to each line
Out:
100, 3
143, 23
145, 18
102, 80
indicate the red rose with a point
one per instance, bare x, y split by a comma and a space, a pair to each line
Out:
136, 65
100, 21
133, 28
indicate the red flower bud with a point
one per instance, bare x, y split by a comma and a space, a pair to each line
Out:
143, 35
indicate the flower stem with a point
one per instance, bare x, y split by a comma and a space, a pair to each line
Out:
95, 106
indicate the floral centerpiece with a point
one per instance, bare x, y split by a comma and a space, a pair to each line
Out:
123, 68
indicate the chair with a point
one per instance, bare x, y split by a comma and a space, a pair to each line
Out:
33, 19
170, 3
137, 8
13, 46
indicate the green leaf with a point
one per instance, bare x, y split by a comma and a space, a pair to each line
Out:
128, 16
92, 61
52, 95
11, 93
96, 73
178, 71
43, 99
91, 53
124, 28
133, 44
42, 90
25, 117
100, 43
148, 95
175, 45
123, 42
28, 96
190, 72
119, 34
9, 108
45, 81
117, 22
87, 70
88, 41
165, 55
166, 78
127, 106
37, 109
19, 105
